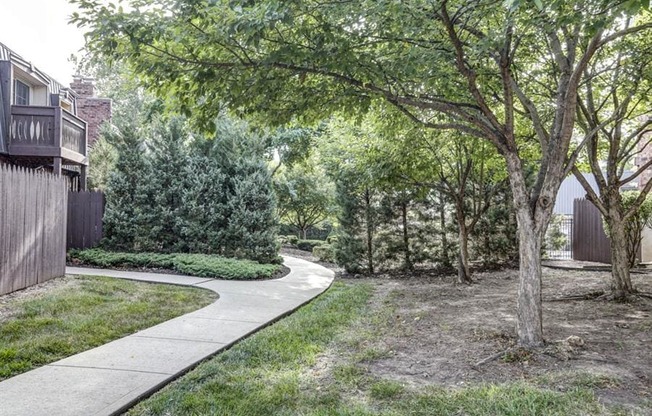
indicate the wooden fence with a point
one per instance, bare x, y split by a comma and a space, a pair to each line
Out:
590, 243
32, 227
85, 211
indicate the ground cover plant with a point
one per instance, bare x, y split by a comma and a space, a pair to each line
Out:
202, 265
377, 347
65, 316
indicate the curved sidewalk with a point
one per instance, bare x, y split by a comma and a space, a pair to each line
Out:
113, 377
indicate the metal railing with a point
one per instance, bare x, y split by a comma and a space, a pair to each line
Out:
559, 238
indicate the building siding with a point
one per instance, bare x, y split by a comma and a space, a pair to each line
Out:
570, 190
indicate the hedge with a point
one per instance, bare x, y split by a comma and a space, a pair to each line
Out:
309, 245
202, 265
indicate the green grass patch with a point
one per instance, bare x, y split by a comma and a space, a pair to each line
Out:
579, 379
202, 265
83, 313
514, 399
281, 371
263, 374
386, 390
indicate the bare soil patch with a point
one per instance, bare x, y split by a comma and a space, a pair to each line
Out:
438, 331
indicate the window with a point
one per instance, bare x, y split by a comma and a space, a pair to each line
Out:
21, 93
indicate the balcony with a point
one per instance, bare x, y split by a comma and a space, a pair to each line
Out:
47, 132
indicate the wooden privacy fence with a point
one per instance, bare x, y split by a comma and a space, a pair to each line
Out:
590, 243
32, 227
85, 211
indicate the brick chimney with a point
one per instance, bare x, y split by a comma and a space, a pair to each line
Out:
84, 87
93, 110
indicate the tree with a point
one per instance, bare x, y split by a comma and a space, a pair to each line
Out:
305, 196
125, 215
173, 191
168, 156
634, 225
355, 193
252, 225
615, 114
203, 215
102, 159
354, 247
291, 145
131, 105
473, 67
495, 236
469, 174
466, 170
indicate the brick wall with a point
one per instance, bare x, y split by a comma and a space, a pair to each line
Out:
93, 110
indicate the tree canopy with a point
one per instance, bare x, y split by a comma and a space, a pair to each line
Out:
508, 73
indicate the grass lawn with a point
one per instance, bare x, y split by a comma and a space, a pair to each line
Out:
79, 313
315, 362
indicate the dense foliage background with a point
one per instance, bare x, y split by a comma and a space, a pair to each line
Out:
172, 191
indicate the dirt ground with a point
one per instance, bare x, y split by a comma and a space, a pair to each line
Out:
440, 331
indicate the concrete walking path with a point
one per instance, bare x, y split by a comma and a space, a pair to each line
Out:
113, 377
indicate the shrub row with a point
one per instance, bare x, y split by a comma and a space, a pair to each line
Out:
202, 265
309, 245
189, 196
306, 245
288, 239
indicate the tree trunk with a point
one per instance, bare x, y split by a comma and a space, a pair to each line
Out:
442, 224
529, 305
369, 221
304, 231
532, 220
463, 272
621, 283
634, 236
406, 237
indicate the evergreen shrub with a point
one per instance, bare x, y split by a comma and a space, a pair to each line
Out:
309, 245
173, 192
324, 252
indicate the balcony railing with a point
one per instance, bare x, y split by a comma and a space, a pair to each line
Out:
47, 132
